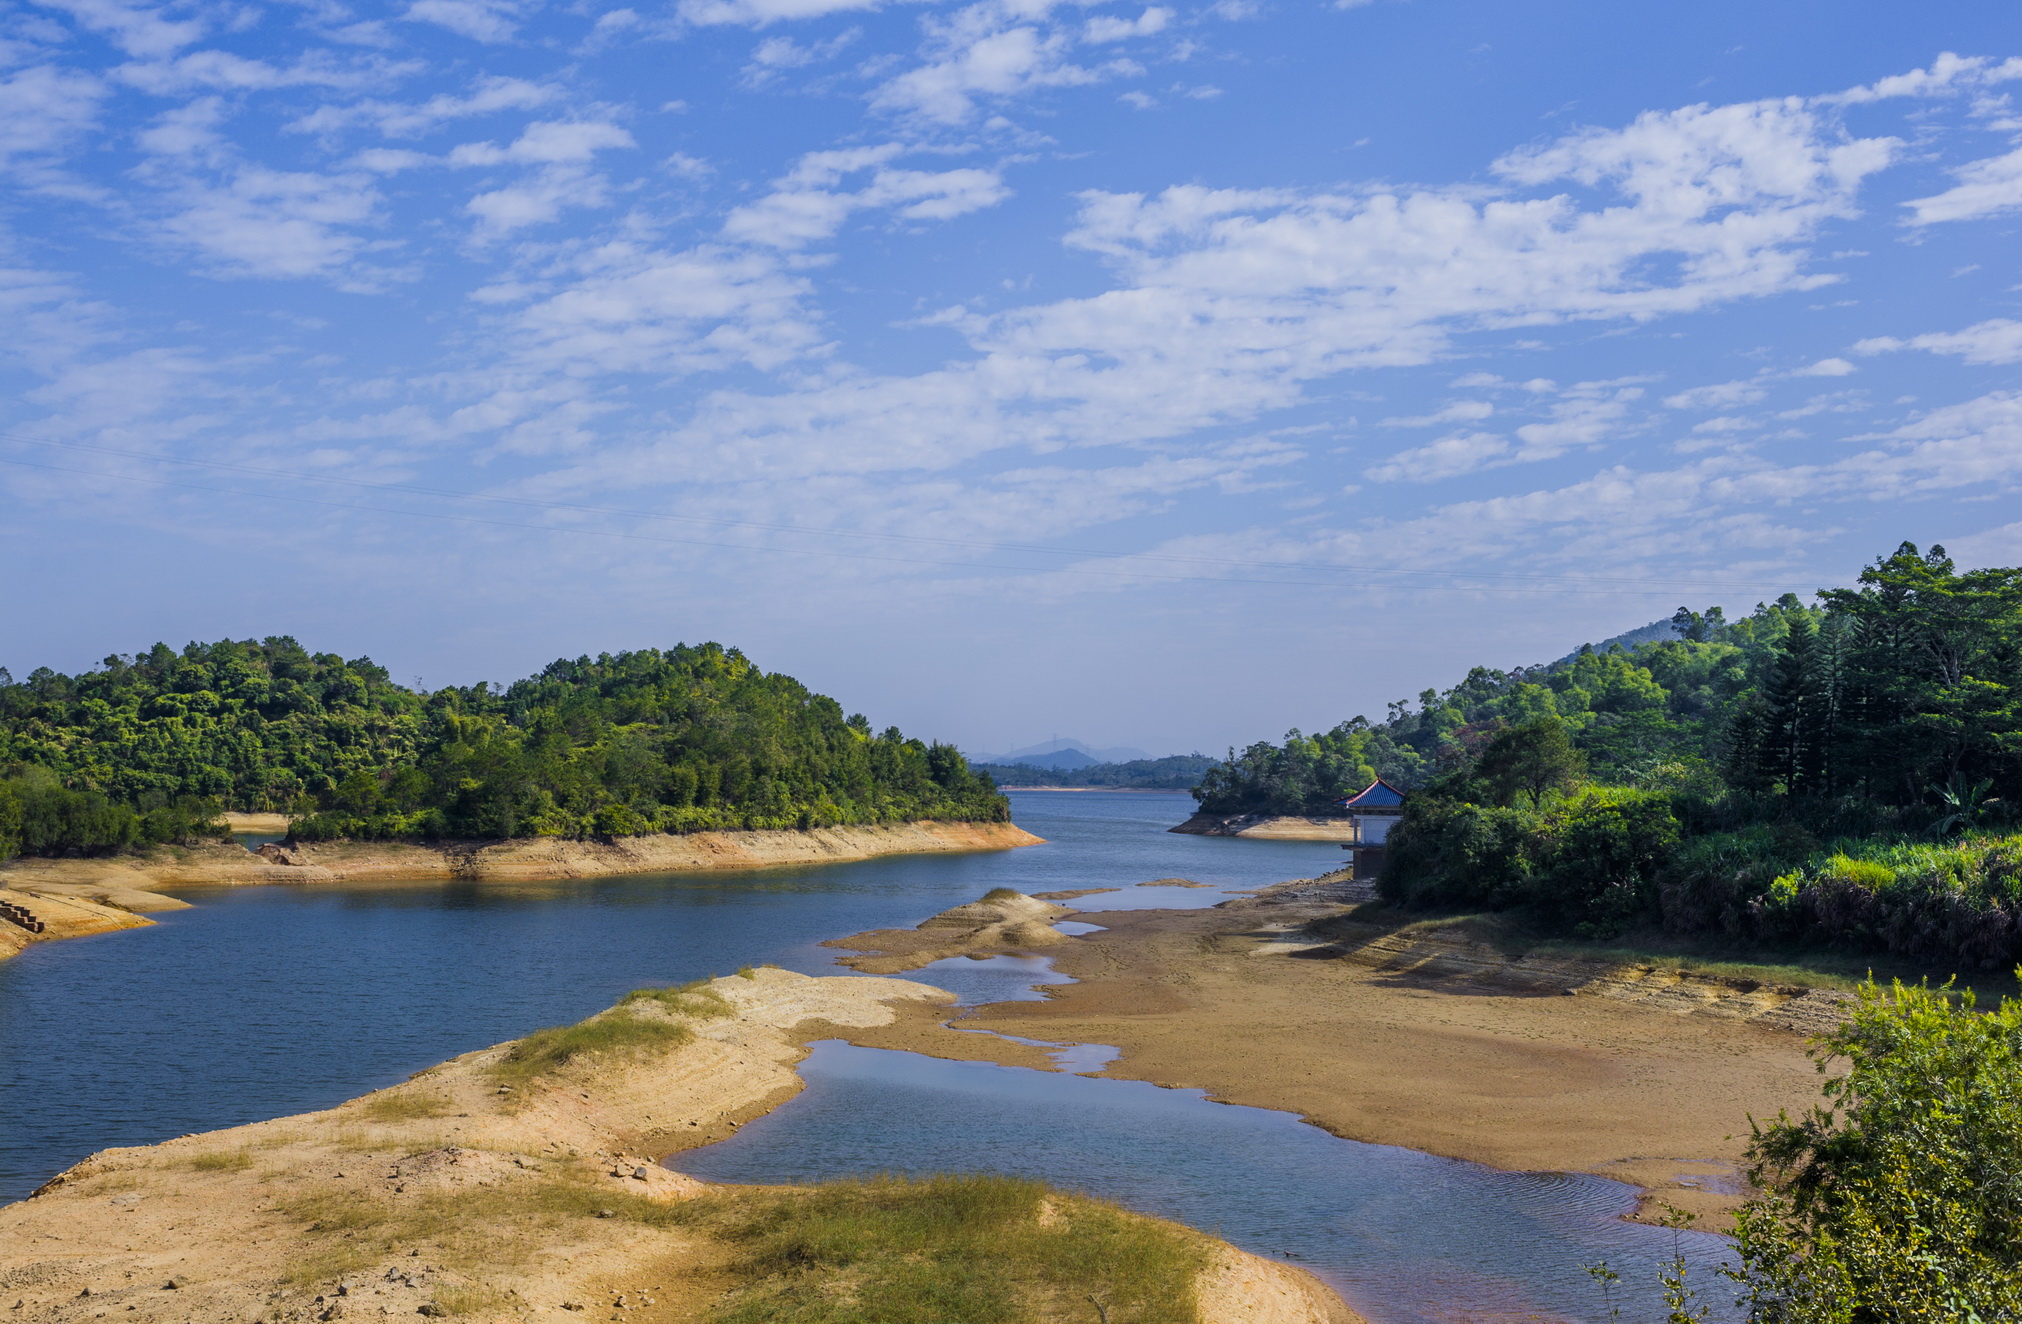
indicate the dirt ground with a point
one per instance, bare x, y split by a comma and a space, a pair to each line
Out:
1649, 1082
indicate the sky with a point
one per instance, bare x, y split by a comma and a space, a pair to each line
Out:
1160, 375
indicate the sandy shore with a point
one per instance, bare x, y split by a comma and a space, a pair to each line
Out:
127, 884
454, 1194
1268, 827
1422, 1039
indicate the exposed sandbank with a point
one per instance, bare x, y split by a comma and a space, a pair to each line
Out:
128, 883
1268, 827
1418, 1038
451, 1194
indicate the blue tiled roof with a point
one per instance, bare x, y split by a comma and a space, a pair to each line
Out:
1379, 794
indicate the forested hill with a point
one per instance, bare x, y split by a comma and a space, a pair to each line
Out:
148, 748
1847, 771
1883, 691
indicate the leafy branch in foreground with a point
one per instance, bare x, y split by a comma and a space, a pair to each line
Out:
1899, 1199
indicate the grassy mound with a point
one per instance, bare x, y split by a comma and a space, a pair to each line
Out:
975, 1249
620, 1030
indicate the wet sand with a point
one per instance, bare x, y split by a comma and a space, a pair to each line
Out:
1629, 1085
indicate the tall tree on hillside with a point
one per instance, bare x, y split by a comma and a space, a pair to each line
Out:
1934, 673
1531, 760
1791, 728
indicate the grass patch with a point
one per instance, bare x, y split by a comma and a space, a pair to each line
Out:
547, 1050
469, 1300
223, 1160
469, 1230
399, 1105
978, 1249
695, 1000
619, 1030
1002, 894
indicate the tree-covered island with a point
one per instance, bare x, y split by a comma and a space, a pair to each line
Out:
150, 748
1843, 773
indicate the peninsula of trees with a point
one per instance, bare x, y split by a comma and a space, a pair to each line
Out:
150, 748
1844, 773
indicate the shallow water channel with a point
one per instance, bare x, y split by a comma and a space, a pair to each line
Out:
261, 1002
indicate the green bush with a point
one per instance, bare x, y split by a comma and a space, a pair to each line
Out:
1900, 1198
1599, 859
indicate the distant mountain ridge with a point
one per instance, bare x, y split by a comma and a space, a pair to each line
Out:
1063, 753
1175, 772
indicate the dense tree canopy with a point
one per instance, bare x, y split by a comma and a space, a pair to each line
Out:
1837, 772
678, 740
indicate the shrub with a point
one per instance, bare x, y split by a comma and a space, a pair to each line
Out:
1602, 855
1900, 1198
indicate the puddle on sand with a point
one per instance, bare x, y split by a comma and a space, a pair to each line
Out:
1406, 1237
1074, 928
977, 980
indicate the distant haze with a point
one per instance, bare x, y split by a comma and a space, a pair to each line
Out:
1060, 753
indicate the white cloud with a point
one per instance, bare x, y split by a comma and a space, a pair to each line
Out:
547, 142
1460, 411
1985, 188
1948, 73
762, 13
43, 109
226, 72
489, 95
1826, 368
629, 308
1106, 28
138, 31
1996, 341
1449, 457
536, 200
273, 223
1586, 418
775, 55
805, 206
489, 21
1723, 396
989, 50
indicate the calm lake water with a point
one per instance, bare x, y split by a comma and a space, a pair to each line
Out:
266, 1001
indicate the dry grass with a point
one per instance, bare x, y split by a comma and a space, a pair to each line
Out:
401, 1104
974, 1249
620, 1030
223, 1160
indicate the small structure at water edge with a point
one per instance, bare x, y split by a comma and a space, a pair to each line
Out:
1374, 811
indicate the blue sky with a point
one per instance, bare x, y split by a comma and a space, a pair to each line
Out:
1165, 375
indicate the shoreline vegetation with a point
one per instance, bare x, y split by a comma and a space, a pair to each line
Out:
1843, 775
522, 1181
149, 749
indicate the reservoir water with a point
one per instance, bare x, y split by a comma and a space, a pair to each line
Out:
261, 1002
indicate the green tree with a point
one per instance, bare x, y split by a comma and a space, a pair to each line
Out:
1530, 760
1899, 1199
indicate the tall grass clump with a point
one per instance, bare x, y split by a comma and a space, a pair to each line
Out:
619, 1030
979, 1249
